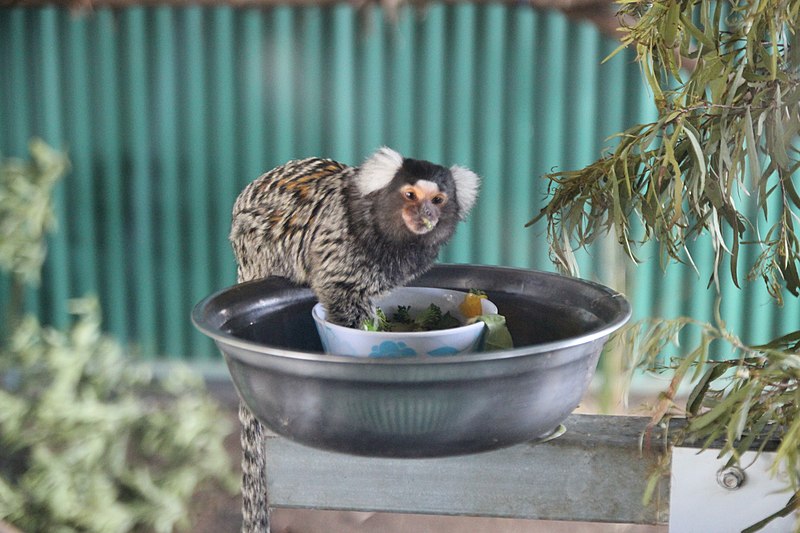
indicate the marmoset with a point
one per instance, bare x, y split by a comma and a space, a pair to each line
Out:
351, 234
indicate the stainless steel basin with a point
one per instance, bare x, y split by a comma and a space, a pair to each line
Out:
416, 408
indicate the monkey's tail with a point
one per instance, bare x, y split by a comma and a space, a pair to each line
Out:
255, 517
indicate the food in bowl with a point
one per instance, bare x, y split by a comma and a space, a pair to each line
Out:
464, 338
404, 318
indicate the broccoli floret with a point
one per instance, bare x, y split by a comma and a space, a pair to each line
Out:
378, 323
448, 321
429, 318
401, 315
383, 322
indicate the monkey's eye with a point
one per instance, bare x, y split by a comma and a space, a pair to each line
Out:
438, 199
410, 195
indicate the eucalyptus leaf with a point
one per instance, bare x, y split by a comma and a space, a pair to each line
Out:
695, 398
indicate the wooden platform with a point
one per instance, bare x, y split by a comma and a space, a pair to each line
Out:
594, 472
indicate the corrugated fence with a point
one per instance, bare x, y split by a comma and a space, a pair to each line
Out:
167, 112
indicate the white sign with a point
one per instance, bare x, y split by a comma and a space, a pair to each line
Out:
704, 499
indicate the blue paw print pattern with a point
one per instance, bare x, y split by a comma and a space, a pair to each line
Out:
392, 349
444, 350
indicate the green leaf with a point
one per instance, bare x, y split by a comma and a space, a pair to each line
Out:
734, 261
790, 340
670, 23
696, 397
616, 51
725, 406
790, 507
496, 336
752, 146
703, 40
787, 182
698, 152
650, 488
757, 431
740, 417
776, 135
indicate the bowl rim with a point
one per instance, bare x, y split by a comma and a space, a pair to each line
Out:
400, 334
253, 353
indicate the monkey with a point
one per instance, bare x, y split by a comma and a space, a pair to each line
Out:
351, 234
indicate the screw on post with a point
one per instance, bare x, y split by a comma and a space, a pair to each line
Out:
731, 478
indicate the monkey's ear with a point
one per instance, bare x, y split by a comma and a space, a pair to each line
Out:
378, 170
467, 184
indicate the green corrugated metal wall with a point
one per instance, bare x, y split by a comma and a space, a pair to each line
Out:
167, 112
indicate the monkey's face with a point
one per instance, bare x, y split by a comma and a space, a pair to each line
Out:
409, 200
422, 206
409, 210
418, 210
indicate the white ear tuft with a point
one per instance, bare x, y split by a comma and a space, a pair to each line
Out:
467, 184
378, 170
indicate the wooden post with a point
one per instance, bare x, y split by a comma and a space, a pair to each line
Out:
594, 472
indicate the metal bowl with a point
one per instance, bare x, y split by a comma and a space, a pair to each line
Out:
407, 407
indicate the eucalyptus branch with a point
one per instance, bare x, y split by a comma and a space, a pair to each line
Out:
683, 175
741, 392
727, 133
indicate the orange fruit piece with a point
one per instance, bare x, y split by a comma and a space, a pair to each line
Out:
471, 306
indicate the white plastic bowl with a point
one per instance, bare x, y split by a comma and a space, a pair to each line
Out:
340, 340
